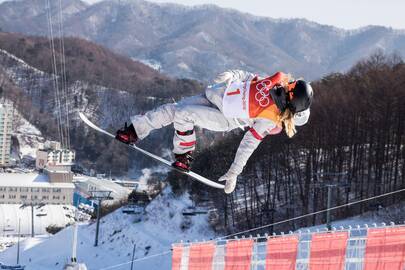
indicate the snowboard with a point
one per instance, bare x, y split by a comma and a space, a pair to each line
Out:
193, 175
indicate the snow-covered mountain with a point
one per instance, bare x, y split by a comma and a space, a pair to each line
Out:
162, 225
91, 92
28, 136
201, 41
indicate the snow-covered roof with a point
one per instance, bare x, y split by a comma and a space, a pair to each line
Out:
59, 169
29, 180
118, 191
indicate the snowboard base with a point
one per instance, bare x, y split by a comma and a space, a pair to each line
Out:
193, 175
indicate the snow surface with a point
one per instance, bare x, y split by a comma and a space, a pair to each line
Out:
150, 63
162, 225
29, 137
21, 62
25, 127
58, 215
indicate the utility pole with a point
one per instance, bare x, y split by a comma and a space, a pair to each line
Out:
330, 185
32, 220
100, 196
133, 257
18, 241
74, 245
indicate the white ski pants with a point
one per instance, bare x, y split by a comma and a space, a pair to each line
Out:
204, 111
189, 112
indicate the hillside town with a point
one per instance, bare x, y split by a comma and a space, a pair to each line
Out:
42, 193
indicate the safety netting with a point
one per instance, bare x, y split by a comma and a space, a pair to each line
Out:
385, 249
351, 249
328, 251
282, 253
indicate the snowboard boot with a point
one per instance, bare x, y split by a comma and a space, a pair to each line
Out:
127, 134
183, 161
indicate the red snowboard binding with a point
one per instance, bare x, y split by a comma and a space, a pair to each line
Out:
127, 134
183, 161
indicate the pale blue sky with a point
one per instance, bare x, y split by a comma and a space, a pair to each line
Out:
348, 14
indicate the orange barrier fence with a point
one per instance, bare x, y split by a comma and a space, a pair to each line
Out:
201, 256
328, 251
176, 257
238, 254
360, 248
385, 249
282, 253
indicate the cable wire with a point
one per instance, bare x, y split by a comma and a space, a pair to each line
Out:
55, 74
268, 225
313, 213
63, 74
137, 260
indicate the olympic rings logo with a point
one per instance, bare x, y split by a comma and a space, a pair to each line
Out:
262, 96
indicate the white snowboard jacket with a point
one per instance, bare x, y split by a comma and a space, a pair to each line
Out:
259, 127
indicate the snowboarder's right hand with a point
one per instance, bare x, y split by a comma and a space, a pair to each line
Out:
230, 178
127, 134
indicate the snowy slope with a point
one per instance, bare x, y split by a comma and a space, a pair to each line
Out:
29, 137
44, 216
57, 215
162, 225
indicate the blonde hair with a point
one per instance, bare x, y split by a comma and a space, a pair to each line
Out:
287, 79
287, 119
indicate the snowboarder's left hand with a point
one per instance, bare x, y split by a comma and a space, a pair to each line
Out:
230, 178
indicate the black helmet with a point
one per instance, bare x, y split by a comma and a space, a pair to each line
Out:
300, 97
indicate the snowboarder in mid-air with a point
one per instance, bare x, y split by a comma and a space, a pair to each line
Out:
236, 99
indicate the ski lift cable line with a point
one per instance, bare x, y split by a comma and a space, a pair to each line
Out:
62, 75
268, 225
63, 70
137, 260
54, 82
311, 214
55, 75
59, 88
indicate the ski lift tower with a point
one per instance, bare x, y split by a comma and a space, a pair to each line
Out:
100, 196
329, 185
32, 204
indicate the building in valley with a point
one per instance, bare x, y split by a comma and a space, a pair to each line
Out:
23, 188
6, 120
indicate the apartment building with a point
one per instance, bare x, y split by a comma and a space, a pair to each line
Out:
6, 120
54, 157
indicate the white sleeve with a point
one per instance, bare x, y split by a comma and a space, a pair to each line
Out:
233, 75
249, 143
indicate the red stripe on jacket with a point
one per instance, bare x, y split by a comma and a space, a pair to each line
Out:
255, 134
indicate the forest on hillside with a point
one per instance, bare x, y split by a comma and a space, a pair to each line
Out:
356, 129
108, 86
